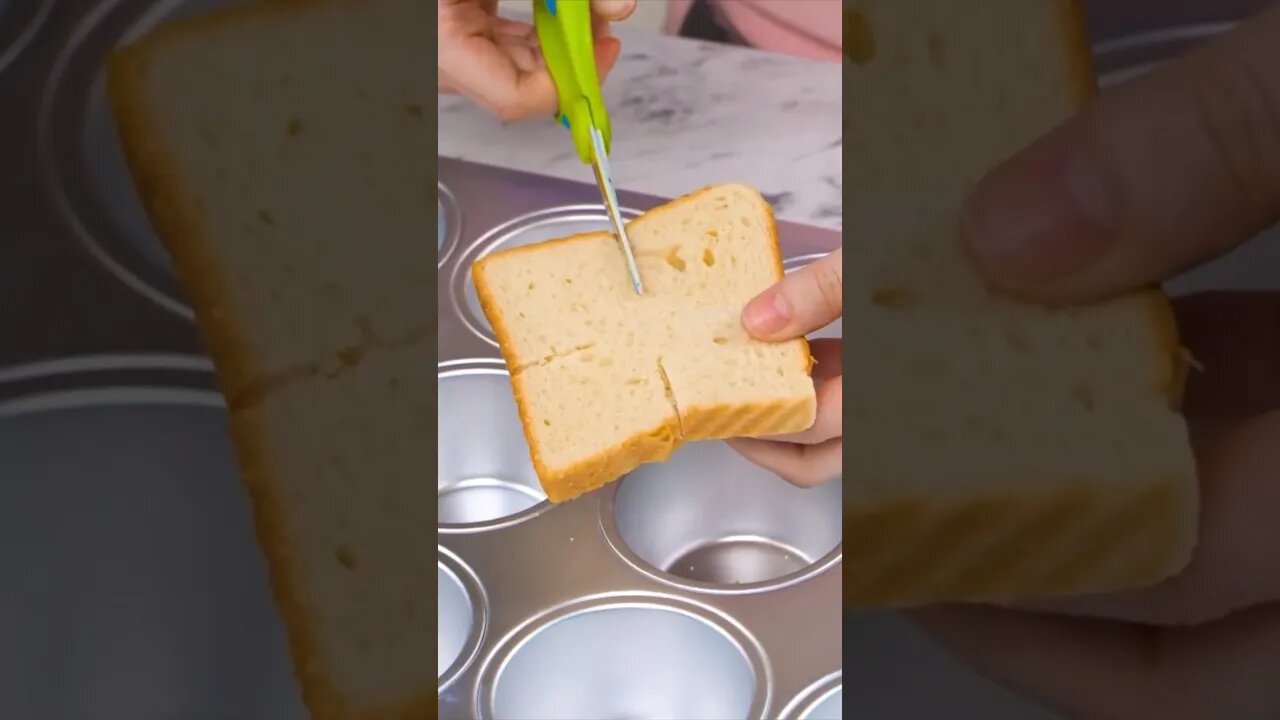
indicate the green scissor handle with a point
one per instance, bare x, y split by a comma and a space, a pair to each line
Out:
564, 31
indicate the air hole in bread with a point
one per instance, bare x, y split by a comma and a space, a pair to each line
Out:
713, 233
859, 40
674, 259
1083, 395
720, 340
349, 356
894, 298
708, 257
345, 557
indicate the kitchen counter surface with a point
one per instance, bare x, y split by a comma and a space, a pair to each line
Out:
686, 114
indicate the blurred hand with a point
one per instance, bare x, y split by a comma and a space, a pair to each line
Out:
496, 62
802, 302
1170, 172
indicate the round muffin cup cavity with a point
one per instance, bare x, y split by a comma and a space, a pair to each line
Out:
823, 700
485, 478
82, 160
460, 612
680, 660
709, 520
160, 597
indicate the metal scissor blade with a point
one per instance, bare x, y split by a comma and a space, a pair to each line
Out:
605, 181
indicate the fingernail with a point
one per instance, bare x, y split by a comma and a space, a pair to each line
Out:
767, 314
1043, 215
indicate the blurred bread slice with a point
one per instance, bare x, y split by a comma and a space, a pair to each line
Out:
281, 149
999, 450
606, 379
336, 467
283, 153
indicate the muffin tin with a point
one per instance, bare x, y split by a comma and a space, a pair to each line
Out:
699, 588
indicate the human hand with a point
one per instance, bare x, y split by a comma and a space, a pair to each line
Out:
496, 62
806, 300
1171, 171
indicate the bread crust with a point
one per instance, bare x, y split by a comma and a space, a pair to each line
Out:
176, 217
655, 444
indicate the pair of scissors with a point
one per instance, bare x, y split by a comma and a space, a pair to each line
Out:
564, 32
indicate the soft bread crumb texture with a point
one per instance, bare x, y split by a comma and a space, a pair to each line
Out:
281, 152
1001, 450
343, 506
606, 379
270, 145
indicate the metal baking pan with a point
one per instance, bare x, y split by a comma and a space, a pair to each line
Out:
134, 587
699, 588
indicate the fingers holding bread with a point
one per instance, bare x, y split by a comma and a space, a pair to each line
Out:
801, 465
800, 303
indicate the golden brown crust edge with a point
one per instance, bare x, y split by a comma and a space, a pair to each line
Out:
1140, 521
174, 215
323, 699
656, 444
173, 212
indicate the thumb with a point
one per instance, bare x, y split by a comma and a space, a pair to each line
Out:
1164, 173
799, 303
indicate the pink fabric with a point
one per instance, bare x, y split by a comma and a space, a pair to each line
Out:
808, 28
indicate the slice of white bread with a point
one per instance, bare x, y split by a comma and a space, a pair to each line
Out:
606, 379
283, 156
1001, 450
281, 145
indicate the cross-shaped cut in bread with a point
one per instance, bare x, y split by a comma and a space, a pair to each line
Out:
606, 379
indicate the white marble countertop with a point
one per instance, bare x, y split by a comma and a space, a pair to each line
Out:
686, 114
